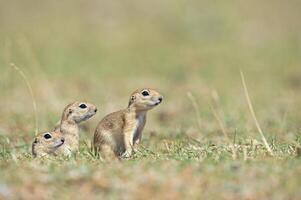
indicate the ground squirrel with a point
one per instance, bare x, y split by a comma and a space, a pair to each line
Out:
73, 114
118, 132
47, 143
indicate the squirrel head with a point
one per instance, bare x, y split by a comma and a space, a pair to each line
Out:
79, 111
47, 143
145, 99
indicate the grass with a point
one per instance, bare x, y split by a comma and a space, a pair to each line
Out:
201, 142
180, 168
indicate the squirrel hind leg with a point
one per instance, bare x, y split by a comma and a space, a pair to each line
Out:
107, 153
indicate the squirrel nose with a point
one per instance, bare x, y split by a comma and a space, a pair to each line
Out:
95, 110
160, 99
63, 140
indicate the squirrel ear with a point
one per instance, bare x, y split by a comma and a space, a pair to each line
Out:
132, 100
69, 112
34, 154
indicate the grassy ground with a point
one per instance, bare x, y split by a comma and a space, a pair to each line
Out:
192, 52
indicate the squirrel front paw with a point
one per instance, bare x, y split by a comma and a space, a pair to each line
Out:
127, 154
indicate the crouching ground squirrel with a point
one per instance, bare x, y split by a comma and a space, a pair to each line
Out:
67, 128
118, 132
47, 143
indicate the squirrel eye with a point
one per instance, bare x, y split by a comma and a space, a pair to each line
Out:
83, 106
47, 136
145, 93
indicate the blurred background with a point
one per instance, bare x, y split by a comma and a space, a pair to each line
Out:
101, 51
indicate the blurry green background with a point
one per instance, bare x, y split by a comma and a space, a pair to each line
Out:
101, 51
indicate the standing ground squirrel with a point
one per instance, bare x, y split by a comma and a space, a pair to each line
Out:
73, 114
118, 132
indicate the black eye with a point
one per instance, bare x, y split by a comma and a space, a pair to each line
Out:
47, 136
145, 93
83, 106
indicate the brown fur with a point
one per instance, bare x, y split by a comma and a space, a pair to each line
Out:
118, 132
42, 146
68, 128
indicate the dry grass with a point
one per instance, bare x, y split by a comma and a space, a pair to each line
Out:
253, 114
34, 104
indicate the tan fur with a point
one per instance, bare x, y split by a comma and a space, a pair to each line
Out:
68, 128
42, 146
119, 132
